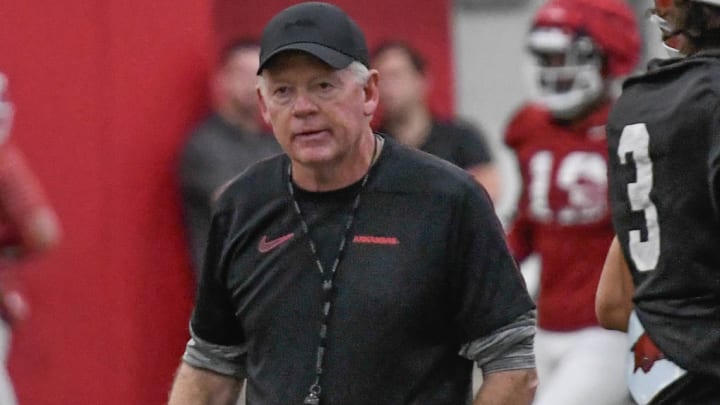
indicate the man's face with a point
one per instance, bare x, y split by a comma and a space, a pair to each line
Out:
318, 114
668, 16
401, 85
237, 80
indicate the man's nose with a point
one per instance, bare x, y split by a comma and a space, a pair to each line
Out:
304, 104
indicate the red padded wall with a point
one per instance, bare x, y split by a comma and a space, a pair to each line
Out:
105, 91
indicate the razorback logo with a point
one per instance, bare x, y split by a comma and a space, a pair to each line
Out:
646, 354
376, 240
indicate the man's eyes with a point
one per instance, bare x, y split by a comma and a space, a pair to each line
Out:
324, 88
281, 90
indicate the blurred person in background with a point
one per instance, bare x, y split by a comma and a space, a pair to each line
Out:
225, 143
406, 116
28, 226
580, 49
661, 282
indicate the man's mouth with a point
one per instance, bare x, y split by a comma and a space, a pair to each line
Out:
311, 134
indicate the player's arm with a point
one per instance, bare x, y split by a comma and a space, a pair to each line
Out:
520, 237
613, 300
487, 175
198, 386
477, 159
30, 225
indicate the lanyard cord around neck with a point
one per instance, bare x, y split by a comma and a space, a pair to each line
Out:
313, 397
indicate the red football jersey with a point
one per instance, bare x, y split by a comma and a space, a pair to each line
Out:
563, 212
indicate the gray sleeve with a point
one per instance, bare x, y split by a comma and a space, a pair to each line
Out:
508, 348
225, 360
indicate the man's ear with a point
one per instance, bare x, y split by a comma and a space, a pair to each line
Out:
372, 93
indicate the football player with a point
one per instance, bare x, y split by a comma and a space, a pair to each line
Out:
581, 48
664, 175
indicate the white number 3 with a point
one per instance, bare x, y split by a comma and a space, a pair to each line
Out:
635, 139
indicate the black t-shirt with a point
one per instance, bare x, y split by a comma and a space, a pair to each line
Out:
328, 211
664, 157
426, 270
457, 142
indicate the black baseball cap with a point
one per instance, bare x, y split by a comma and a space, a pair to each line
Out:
320, 29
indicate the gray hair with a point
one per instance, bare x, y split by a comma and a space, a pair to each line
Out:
360, 72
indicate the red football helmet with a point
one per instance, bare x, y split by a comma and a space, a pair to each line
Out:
580, 47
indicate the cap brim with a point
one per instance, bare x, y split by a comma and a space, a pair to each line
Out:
335, 59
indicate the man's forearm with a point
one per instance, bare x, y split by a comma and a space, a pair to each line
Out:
512, 387
201, 387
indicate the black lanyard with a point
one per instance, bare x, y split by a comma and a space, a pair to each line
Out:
313, 397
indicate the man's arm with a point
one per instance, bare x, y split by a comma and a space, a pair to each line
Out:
498, 324
512, 387
202, 387
613, 300
507, 360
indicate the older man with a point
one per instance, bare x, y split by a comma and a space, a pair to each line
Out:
351, 270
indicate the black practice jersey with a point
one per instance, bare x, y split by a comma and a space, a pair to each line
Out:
664, 155
426, 270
